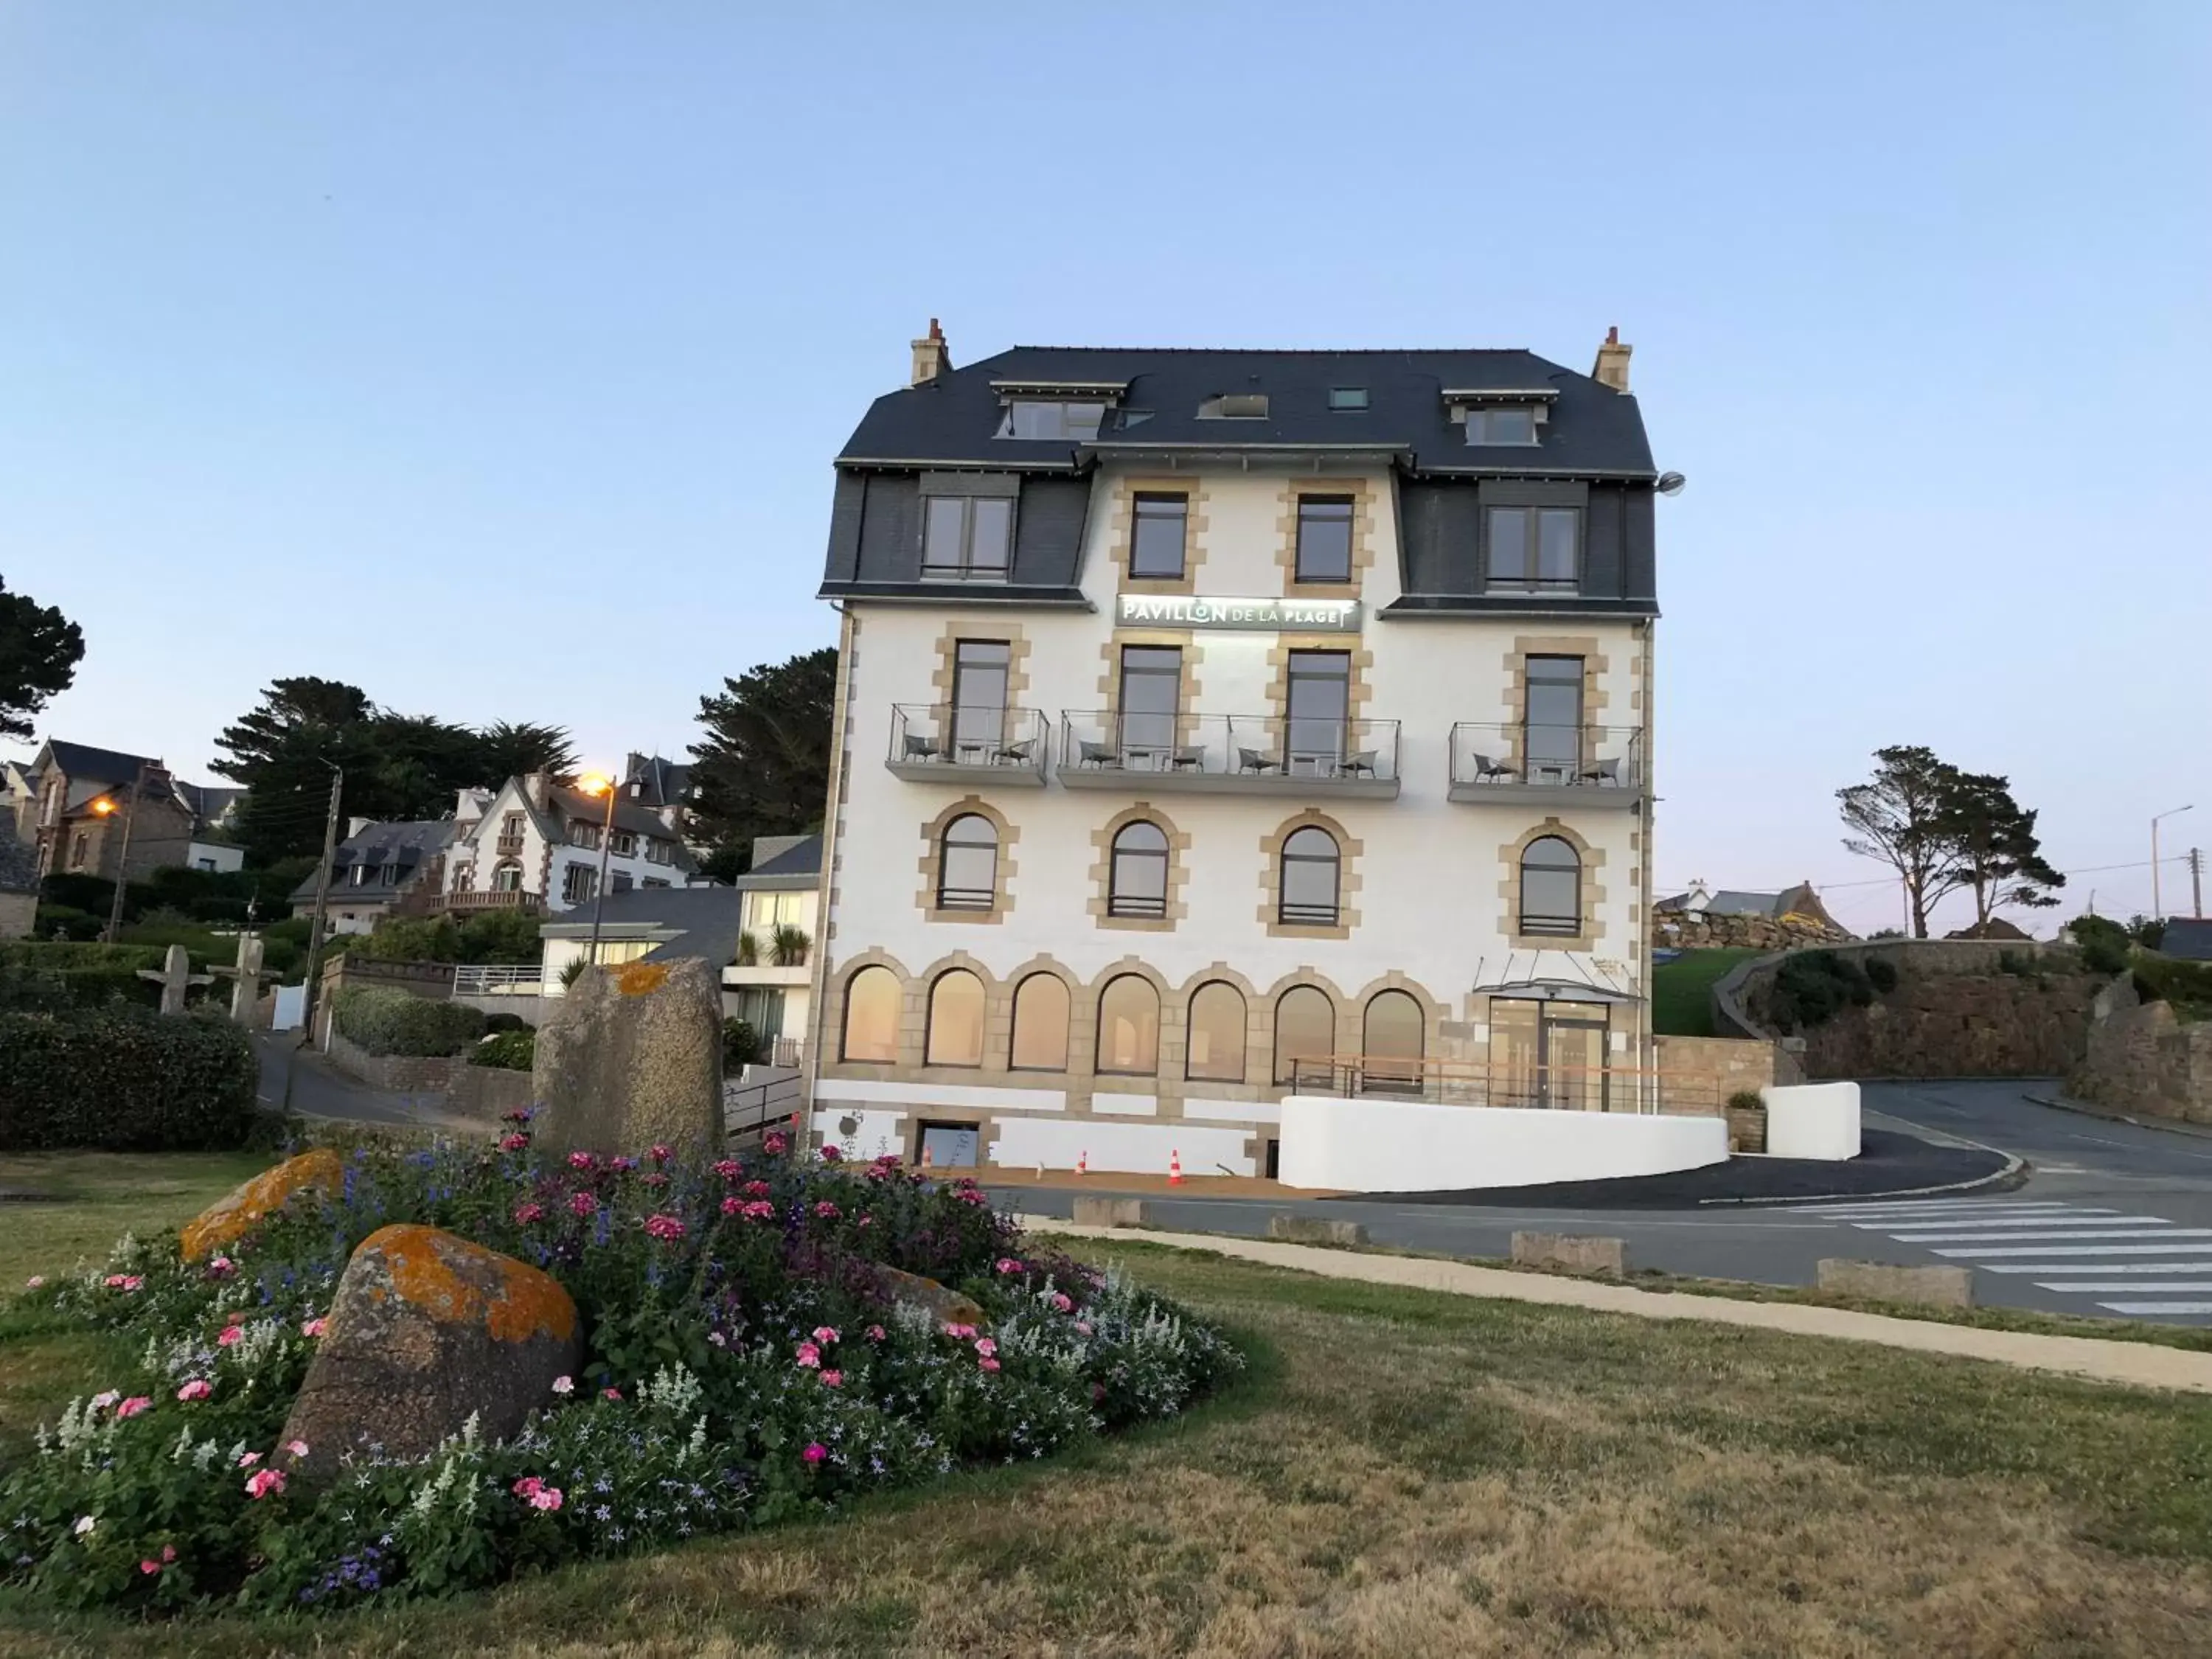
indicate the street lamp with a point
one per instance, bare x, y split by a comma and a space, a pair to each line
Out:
592, 783
2156, 912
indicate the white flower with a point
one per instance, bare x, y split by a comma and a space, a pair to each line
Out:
85, 1523
564, 1385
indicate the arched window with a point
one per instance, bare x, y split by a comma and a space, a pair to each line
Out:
1551, 888
871, 1012
1393, 1040
1309, 887
968, 864
1305, 1028
1129, 1027
506, 878
956, 1020
1040, 1024
1216, 1051
1137, 883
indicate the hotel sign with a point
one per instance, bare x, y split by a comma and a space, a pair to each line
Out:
1253, 615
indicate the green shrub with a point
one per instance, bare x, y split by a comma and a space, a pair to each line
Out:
499, 937
95, 975
741, 1045
496, 1022
1746, 1100
1881, 975
27, 988
2104, 943
68, 921
2186, 987
381, 1021
506, 1051
1812, 986
122, 1080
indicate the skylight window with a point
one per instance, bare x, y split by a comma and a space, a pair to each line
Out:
1040, 417
1347, 399
1235, 406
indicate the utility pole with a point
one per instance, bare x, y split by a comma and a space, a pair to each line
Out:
2197, 882
123, 859
2157, 907
322, 903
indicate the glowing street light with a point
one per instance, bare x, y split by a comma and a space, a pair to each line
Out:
598, 783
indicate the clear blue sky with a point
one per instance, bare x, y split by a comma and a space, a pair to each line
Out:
491, 357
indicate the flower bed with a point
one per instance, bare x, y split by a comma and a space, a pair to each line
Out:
744, 1365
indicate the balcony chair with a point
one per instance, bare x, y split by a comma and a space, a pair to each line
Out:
1188, 760
1013, 754
1487, 770
1251, 760
1358, 763
1100, 755
1600, 772
922, 749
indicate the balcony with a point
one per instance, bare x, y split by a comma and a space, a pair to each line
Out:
1532, 766
1229, 754
939, 743
473, 902
506, 847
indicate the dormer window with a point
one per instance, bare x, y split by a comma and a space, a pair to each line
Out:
1501, 424
1040, 417
1235, 406
966, 538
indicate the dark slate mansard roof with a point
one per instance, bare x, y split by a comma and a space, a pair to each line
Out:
409, 846
82, 763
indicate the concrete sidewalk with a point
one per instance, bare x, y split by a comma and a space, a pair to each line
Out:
2142, 1365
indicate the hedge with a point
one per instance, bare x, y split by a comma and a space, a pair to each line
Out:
122, 1080
381, 1021
506, 1051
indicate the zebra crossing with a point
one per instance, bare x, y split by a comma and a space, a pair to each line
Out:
2148, 1266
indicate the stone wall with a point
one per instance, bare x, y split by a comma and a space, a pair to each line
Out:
1956, 1012
409, 1074
2141, 1058
1688, 931
1697, 1074
484, 1091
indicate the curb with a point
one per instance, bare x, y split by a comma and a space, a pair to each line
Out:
2014, 1174
2080, 1108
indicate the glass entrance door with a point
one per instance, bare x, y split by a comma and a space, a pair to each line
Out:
979, 700
1320, 698
1548, 1054
1553, 740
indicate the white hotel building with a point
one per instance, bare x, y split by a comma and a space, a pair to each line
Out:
1219, 726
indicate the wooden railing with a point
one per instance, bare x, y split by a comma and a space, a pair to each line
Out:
511, 898
1511, 1083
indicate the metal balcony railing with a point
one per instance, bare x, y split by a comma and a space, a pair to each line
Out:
1259, 754
1519, 1081
953, 742
473, 980
1592, 765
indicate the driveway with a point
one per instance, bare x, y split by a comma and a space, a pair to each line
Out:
2145, 1194
307, 1083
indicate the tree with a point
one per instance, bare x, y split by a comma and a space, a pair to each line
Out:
762, 768
1907, 817
39, 650
514, 748
1999, 854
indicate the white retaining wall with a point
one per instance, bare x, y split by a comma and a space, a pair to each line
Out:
1812, 1120
1370, 1146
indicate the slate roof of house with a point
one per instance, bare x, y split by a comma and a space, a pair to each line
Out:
86, 764
1734, 902
2188, 937
705, 921
408, 846
655, 782
1592, 430
210, 801
629, 815
796, 863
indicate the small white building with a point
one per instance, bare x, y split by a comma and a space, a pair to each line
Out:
769, 980
534, 844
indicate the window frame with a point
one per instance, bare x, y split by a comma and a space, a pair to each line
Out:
967, 570
1068, 434
1138, 518
966, 898
1098, 1050
1240, 1049
1309, 915
1532, 926
1479, 416
1396, 1072
929, 1055
1286, 1076
1331, 501
1341, 400
1014, 1062
1156, 674
859, 976
1298, 668
1531, 550
1119, 903
574, 875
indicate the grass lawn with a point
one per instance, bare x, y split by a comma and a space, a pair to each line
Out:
1682, 991
1413, 1473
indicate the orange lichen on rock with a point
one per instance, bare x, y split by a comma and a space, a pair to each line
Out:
641, 979
235, 1214
452, 1280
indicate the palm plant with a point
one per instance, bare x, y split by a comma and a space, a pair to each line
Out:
791, 947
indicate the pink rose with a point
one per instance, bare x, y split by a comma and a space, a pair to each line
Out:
833, 1379
825, 1335
960, 1333
247, 1460
222, 1267
815, 1452
198, 1388
106, 1398
563, 1386
132, 1406
1061, 1300
149, 1566
832, 1155
988, 1365
1006, 1264
529, 1487
262, 1482
760, 1210
230, 1334
545, 1498
315, 1326
809, 1355
528, 1212
985, 1347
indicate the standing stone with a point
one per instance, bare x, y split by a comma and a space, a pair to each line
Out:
175, 976
246, 979
428, 1330
632, 1056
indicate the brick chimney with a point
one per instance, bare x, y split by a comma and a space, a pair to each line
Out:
1612, 366
932, 356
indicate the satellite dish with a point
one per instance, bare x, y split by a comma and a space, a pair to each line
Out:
1670, 483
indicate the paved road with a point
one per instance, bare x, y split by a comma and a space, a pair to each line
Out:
316, 1091
2150, 1189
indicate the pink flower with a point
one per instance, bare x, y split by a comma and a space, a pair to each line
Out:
107, 1397
149, 1567
1083, 1327
832, 1155
826, 1211
756, 1190
123, 1282
222, 1267
868, 1221
815, 1452
960, 1333
564, 1386
874, 1333
247, 1460
545, 1498
580, 1160
973, 1195
582, 1203
825, 1335
198, 1388
988, 1365
297, 1447
809, 1354
529, 1487
985, 1347
760, 1210
1062, 1301
654, 1178
514, 1143
132, 1406
660, 1153
610, 1394
262, 1482
732, 1204
34, 1282
664, 1226
315, 1326
622, 1165
1006, 1264
729, 1168
230, 1334
833, 1379
528, 1212
774, 1145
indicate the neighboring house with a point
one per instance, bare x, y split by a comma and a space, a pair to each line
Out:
656, 783
534, 844
379, 868
19, 883
1218, 720
773, 970
81, 802
214, 806
661, 923
2188, 937
1799, 901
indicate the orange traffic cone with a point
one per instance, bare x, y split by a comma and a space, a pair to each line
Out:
1174, 1168
1083, 1162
